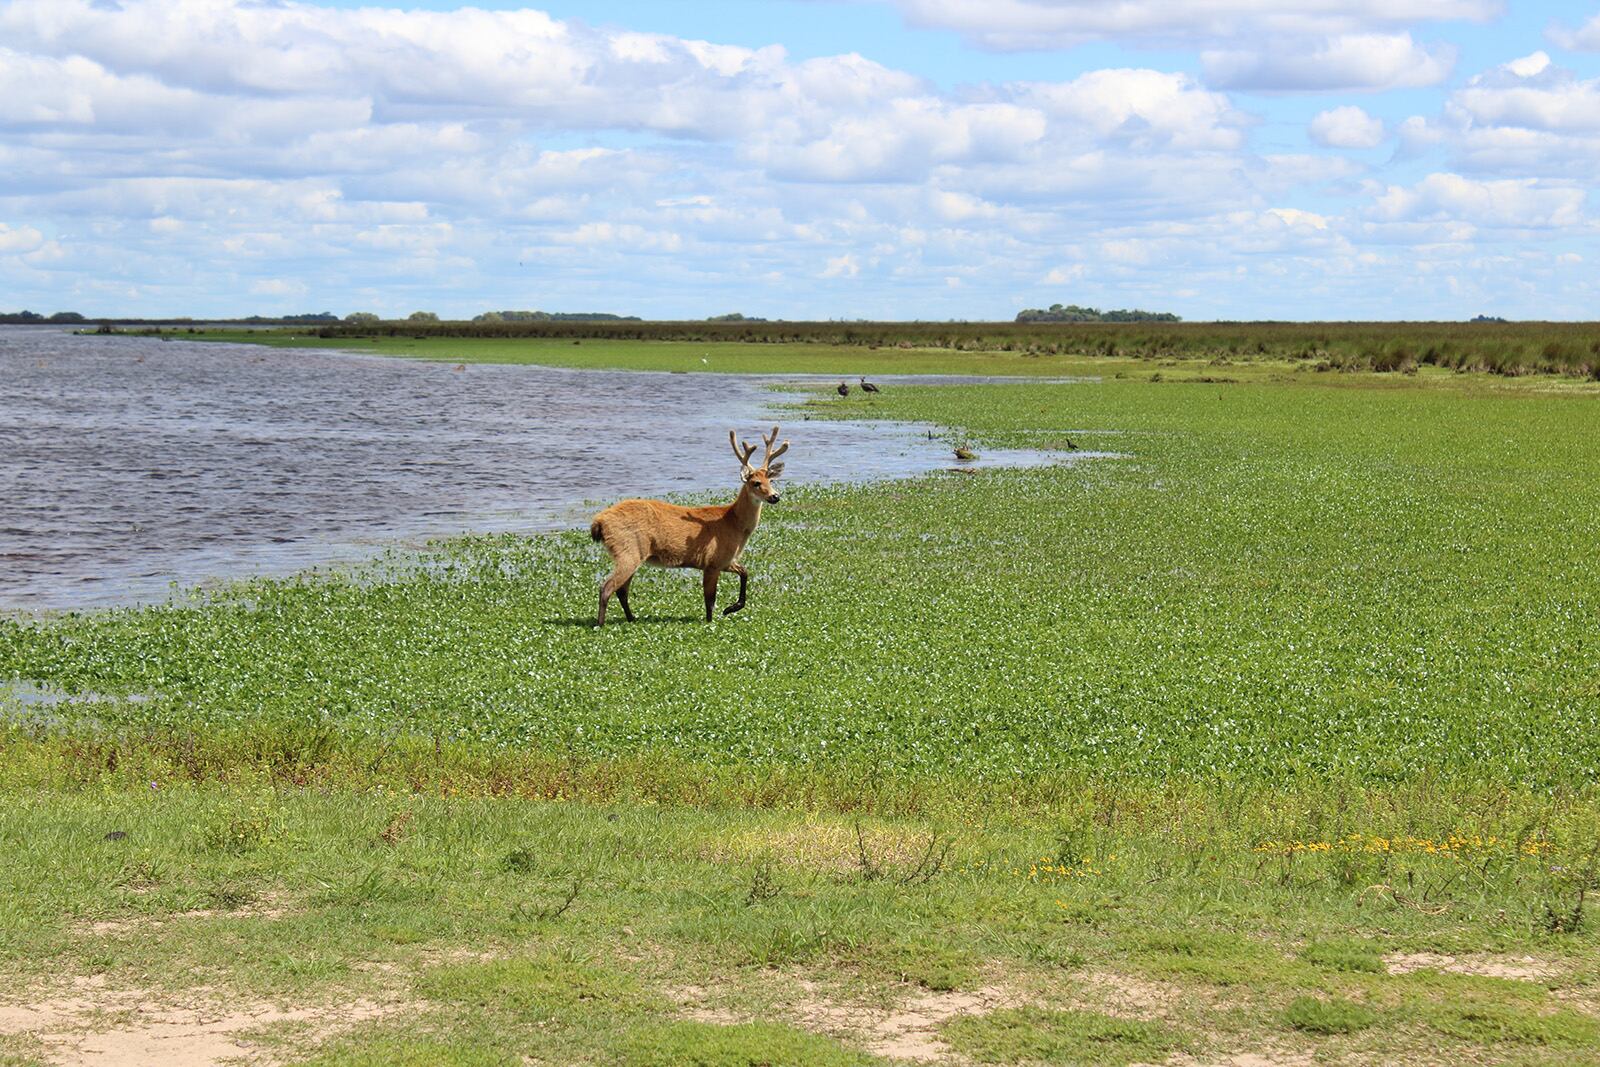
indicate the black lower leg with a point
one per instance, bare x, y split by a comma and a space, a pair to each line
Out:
622, 598
744, 583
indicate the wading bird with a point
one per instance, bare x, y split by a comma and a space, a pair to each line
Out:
843, 390
708, 539
868, 387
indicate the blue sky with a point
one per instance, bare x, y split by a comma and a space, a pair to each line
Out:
1318, 159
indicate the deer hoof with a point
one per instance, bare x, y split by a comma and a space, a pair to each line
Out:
731, 608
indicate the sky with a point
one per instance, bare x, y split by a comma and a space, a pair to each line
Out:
802, 159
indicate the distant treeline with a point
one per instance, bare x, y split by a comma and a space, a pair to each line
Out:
492, 317
31, 318
1074, 313
1498, 347
71, 318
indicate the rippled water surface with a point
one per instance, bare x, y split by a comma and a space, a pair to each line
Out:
131, 463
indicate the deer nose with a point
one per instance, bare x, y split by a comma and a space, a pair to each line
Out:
773, 499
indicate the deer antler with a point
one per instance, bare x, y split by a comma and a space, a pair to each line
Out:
744, 455
771, 455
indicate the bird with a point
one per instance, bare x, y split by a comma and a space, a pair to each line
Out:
1071, 445
963, 453
844, 390
461, 366
868, 387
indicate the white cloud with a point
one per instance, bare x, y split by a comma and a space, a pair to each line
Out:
903, 140
1346, 127
1021, 25
1530, 65
845, 266
1294, 217
1518, 203
1535, 98
625, 236
459, 160
1584, 38
1147, 106
1365, 62
278, 287
1525, 118
20, 239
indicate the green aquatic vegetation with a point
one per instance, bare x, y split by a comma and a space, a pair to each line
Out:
1282, 581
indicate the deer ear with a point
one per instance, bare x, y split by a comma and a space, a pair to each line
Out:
774, 469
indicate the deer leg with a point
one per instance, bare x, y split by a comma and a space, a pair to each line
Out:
614, 581
622, 598
711, 591
744, 583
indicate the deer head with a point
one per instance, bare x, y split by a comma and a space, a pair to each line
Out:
759, 479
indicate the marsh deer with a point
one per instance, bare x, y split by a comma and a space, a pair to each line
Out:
709, 539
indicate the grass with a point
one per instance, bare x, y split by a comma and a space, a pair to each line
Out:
1036, 1035
875, 347
460, 943
1159, 748
1331, 1016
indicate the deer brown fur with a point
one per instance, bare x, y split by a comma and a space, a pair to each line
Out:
709, 539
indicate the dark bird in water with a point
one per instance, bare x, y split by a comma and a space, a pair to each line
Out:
868, 387
963, 453
844, 390
1071, 446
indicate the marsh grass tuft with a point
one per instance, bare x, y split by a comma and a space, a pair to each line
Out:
1329, 1015
697, 1044
1039, 1035
1343, 955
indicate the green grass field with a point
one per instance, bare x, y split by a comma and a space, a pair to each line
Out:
1276, 737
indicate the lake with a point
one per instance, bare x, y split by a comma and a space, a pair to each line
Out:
133, 463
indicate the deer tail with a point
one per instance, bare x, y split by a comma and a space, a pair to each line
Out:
594, 530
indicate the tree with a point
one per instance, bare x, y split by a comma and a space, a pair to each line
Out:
422, 317
361, 318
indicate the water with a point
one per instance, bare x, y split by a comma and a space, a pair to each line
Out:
128, 464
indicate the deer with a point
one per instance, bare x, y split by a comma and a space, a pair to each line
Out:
709, 539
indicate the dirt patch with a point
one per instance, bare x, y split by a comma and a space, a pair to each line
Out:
912, 1031
1520, 968
273, 906
1247, 1059
1120, 994
110, 927
900, 1022
90, 1023
905, 1027
698, 1003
